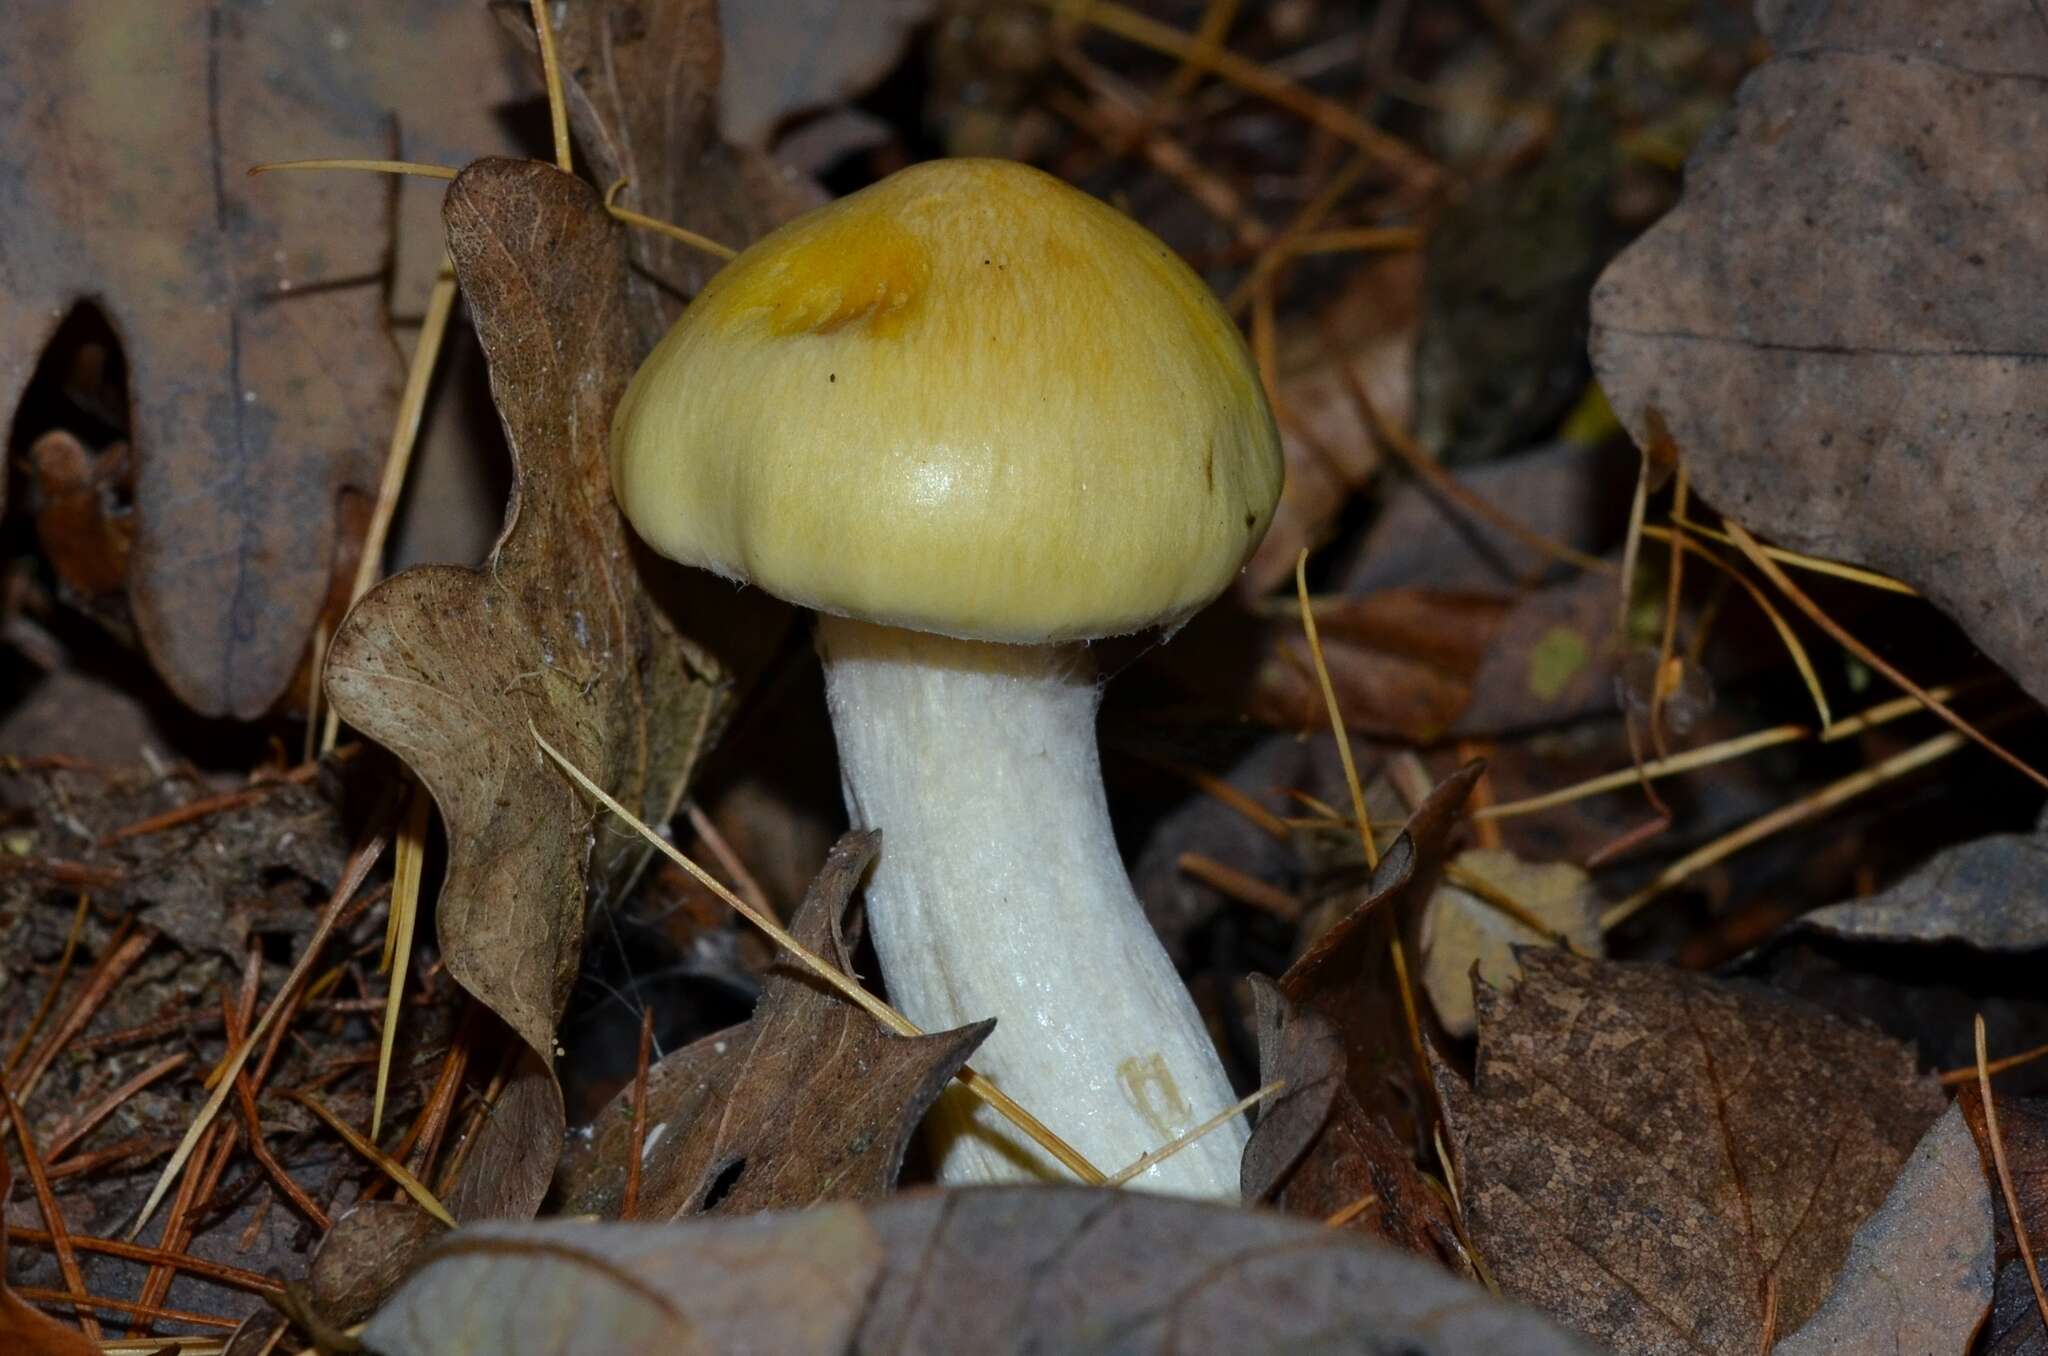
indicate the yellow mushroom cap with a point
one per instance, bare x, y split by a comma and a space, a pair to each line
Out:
969, 399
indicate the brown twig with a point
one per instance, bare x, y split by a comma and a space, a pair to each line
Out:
220, 1273
252, 1131
1246, 889
122, 953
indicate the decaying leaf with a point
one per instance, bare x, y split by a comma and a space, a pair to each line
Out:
1841, 323
793, 56
263, 384
1333, 1027
809, 1101
366, 1256
989, 1271
1986, 893
2015, 1328
1347, 975
643, 81
24, 1330
1316, 1151
1756, 1132
783, 1283
253, 865
449, 667
1918, 1275
1462, 929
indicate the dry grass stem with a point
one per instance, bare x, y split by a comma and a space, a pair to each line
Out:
551, 75
1238, 885
1855, 574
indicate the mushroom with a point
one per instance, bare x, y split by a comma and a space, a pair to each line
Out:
976, 418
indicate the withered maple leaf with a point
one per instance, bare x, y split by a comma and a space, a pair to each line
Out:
1841, 325
1661, 1159
809, 1101
449, 667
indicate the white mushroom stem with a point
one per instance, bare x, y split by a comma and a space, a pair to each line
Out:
1000, 893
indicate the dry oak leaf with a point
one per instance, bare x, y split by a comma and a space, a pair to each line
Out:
1918, 1278
448, 667
263, 381
809, 1101
1844, 323
988, 1271
1658, 1158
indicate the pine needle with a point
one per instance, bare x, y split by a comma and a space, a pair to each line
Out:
1777, 576
389, 1166
1784, 817
1214, 1123
551, 73
1315, 649
2012, 1203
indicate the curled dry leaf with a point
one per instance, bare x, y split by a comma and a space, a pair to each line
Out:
809, 1101
1659, 1159
449, 667
1986, 893
1841, 322
263, 385
989, 1271
1918, 1276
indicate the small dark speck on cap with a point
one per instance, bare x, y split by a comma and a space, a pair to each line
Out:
1251, 520
831, 376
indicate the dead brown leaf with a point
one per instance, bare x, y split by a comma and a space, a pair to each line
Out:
263, 384
253, 864
2015, 1328
1659, 1159
990, 1271
1316, 1152
1840, 323
1985, 893
783, 1283
1346, 975
643, 86
809, 1101
366, 1256
449, 666
1918, 1275
1471, 938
